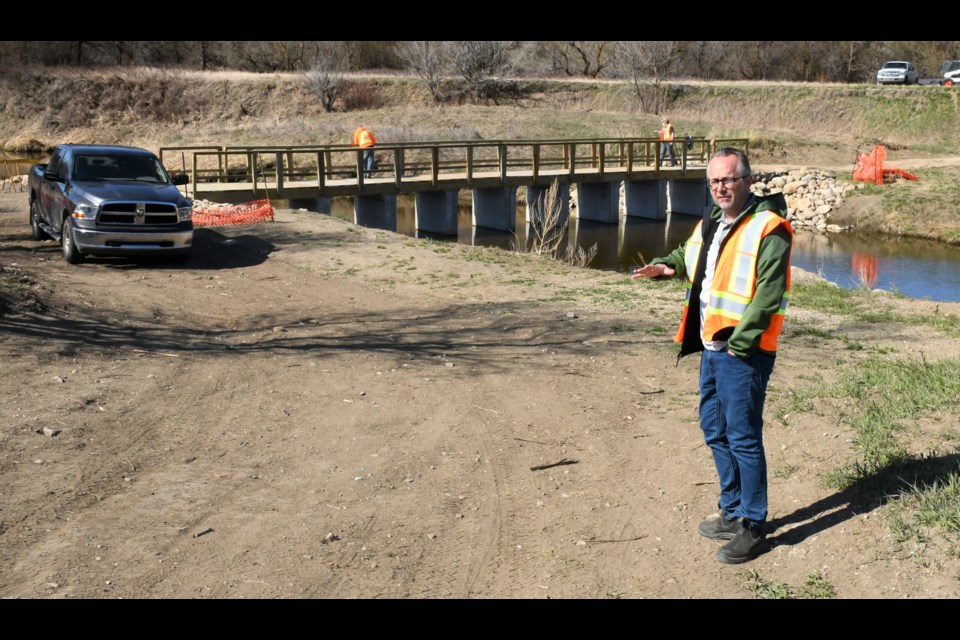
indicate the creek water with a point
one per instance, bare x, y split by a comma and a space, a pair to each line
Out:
915, 268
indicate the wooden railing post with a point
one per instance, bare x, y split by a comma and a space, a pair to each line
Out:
601, 156
279, 172
573, 158
434, 165
195, 173
502, 152
360, 169
536, 162
398, 167
469, 165
321, 170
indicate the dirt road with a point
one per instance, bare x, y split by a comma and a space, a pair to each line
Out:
308, 409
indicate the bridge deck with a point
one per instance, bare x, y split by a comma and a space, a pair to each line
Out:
381, 183
238, 174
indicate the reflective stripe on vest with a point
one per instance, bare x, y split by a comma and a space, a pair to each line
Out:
366, 139
735, 278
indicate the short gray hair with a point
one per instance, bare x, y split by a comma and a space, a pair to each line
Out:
743, 162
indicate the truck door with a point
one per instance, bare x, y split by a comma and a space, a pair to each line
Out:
54, 200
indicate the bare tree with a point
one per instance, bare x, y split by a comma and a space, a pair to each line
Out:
700, 59
758, 59
548, 230
648, 64
582, 57
274, 55
325, 77
480, 63
428, 59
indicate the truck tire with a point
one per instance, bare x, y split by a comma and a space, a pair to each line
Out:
35, 231
70, 252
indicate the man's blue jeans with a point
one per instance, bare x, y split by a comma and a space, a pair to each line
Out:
368, 161
665, 148
732, 392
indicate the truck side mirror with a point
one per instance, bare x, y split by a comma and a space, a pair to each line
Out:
52, 176
181, 178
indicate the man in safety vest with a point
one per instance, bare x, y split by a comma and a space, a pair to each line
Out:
364, 139
666, 134
737, 265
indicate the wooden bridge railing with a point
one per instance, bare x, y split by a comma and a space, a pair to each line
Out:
434, 160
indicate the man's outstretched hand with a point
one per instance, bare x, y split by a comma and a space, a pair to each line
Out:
653, 271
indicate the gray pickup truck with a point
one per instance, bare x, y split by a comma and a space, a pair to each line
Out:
100, 200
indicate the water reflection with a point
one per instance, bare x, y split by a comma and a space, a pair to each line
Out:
915, 268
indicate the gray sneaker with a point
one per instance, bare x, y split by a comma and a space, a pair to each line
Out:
747, 544
719, 528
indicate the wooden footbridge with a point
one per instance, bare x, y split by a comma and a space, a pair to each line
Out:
435, 171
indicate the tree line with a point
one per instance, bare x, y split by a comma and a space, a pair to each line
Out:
476, 62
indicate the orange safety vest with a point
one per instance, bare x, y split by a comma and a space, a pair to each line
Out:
735, 278
666, 133
363, 138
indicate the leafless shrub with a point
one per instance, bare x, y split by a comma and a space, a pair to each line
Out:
548, 230
360, 95
325, 79
428, 60
481, 64
648, 64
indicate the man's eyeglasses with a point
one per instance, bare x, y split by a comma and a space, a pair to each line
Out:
726, 182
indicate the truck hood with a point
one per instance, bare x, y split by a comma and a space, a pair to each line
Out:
96, 193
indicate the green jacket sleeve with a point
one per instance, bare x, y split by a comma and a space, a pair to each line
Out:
773, 265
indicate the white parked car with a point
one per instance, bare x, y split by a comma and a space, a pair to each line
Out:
898, 72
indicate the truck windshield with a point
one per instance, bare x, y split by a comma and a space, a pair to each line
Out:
105, 167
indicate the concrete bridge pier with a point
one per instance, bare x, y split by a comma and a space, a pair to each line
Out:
376, 211
536, 201
599, 201
436, 212
691, 197
495, 208
645, 199
317, 205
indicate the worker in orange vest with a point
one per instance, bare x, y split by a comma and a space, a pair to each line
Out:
365, 140
666, 134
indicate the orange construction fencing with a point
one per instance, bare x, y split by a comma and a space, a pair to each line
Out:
246, 213
869, 168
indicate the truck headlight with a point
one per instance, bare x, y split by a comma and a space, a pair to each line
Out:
184, 213
85, 211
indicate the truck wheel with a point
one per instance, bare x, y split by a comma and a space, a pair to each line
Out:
35, 231
948, 83
70, 252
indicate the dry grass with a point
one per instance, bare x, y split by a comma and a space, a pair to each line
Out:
548, 230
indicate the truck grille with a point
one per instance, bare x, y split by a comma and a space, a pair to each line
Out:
148, 213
